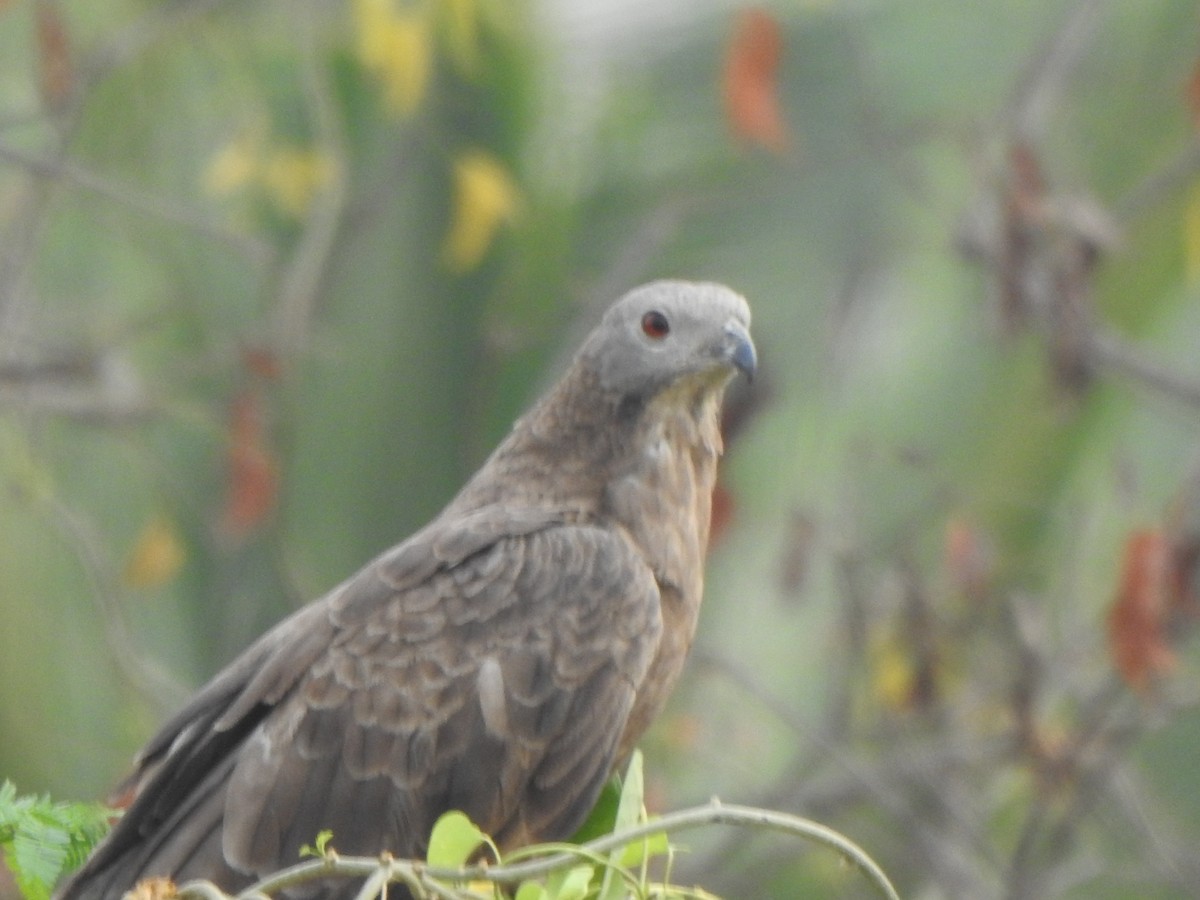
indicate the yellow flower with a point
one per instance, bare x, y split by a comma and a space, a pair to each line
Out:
484, 197
396, 47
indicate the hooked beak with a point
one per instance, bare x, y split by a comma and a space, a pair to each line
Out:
738, 350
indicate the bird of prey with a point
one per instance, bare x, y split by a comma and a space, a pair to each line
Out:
501, 661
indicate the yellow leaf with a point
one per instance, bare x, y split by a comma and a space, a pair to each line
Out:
292, 177
894, 675
156, 557
234, 167
484, 197
396, 47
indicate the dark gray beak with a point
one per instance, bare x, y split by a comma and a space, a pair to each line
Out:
739, 349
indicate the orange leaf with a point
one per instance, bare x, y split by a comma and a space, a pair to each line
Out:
54, 56
1137, 621
263, 362
1191, 90
751, 89
252, 473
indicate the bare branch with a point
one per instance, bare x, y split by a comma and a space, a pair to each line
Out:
1039, 91
57, 169
306, 269
549, 858
1110, 352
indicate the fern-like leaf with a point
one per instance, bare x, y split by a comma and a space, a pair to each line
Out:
42, 839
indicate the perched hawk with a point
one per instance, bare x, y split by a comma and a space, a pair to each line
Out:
501, 661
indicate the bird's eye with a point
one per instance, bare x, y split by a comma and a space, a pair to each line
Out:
655, 325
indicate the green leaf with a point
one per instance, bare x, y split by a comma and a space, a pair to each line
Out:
647, 848
603, 817
454, 839
41, 839
321, 847
632, 808
631, 811
569, 884
531, 890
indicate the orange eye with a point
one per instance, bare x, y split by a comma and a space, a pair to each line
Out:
655, 325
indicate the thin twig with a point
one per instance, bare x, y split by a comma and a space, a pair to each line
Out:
253, 248
149, 678
306, 270
1040, 87
160, 22
1163, 184
1111, 352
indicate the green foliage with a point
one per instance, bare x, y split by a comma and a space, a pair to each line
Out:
608, 877
531, 890
603, 817
453, 841
42, 839
600, 869
569, 884
631, 811
320, 847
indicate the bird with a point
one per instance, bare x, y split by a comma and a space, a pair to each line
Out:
503, 660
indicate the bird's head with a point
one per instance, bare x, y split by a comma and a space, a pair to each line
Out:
666, 331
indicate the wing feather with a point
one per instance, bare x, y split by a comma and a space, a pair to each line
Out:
512, 672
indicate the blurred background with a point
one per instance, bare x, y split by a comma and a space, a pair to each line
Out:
276, 276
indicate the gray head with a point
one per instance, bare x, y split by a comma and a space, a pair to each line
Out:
666, 330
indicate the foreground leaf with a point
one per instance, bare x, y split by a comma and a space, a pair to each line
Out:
571, 884
42, 840
454, 839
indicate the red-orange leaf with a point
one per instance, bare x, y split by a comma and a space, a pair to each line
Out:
1192, 95
252, 474
1137, 621
968, 558
54, 56
751, 88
